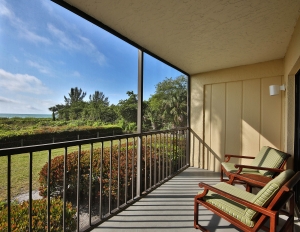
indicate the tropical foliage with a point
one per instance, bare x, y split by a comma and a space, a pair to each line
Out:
166, 108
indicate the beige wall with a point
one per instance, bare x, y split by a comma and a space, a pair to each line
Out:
232, 112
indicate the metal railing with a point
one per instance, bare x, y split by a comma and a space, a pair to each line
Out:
85, 182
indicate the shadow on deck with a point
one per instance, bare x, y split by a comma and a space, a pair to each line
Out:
170, 208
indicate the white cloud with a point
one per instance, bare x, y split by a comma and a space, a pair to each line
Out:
48, 6
23, 29
7, 100
63, 39
41, 68
4, 10
83, 44
21, 83
15, 59
29, 107
90, 48
76, 74
31, 36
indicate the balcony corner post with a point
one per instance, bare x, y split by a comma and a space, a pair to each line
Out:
139, 121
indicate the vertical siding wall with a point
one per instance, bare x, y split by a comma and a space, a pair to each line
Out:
233, 117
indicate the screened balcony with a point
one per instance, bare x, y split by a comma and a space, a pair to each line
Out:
231, 52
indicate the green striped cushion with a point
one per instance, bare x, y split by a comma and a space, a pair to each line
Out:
228, 206
268, 157
229, 167
263, 197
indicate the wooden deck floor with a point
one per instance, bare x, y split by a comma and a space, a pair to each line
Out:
170, 208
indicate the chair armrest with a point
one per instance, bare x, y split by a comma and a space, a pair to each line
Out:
228, 156
241, 166
232, 197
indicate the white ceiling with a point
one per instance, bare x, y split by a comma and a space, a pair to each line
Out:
201, 35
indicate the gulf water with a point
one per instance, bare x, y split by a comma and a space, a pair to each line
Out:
25, 115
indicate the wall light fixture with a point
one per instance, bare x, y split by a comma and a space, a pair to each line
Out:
274, 89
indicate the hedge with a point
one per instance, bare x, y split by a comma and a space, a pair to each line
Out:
59, 134
57, 171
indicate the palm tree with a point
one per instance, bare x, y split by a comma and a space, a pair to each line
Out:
76, 95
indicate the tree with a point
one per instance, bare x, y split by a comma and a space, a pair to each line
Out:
98, 105
99, 97
74, 104
168, 105
76, 95
128, 107
53, 109
57, 110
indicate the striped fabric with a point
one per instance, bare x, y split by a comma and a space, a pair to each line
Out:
263, 197
239, 211
267, 157
229, 167
228, 206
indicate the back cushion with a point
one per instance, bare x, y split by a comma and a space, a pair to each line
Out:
265, 195
268, 157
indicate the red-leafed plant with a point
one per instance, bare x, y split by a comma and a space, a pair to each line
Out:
19, 216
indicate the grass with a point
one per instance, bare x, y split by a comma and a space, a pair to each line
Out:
20, 170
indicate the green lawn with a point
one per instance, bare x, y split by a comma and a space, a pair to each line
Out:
20, 169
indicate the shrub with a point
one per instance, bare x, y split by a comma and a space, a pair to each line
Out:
57, 171
20, 216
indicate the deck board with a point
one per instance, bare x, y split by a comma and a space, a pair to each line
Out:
170, 208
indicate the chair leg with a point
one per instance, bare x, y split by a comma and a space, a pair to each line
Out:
273, 223
196, 211
222, 174
248, 188
230, 181
196, 215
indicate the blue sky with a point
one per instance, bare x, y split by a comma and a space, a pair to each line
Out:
45, 50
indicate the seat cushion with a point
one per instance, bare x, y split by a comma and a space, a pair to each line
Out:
269, 157
228, 206
266, 194
229, 167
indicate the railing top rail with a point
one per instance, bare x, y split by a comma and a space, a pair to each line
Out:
50, 146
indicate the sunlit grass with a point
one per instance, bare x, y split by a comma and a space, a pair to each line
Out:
20, 169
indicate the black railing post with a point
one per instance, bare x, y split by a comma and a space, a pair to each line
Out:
90, 183
101, 180
110, 177
48, 190
119, 169
78, 187
65, 188
30, 191
8, 192
126, 172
